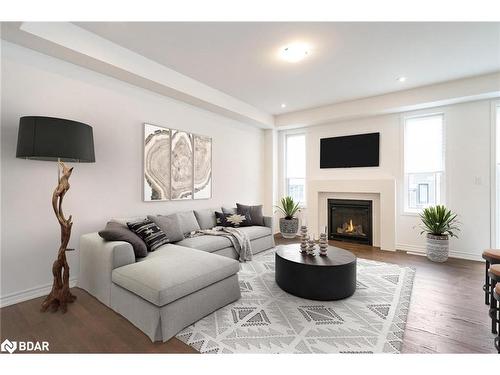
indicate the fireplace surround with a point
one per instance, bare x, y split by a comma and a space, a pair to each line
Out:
350, 220
382, 192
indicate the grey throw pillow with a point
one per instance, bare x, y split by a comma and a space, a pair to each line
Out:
118, 232
169, 225
256, 215
187, 221
206, 218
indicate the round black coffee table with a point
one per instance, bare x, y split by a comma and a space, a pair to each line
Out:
323, 278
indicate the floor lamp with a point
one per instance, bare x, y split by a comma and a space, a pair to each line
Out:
60, 140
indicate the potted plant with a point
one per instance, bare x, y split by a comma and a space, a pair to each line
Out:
440, 224
289, 225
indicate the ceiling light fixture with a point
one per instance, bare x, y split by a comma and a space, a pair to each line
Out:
295, 52
401, 79
283, 105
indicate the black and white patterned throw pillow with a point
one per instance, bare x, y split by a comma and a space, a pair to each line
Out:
150, 233
233, 220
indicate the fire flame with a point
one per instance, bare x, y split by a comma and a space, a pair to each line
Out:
350, 227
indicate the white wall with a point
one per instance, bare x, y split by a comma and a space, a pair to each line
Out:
467, 162
35, 84
270, 175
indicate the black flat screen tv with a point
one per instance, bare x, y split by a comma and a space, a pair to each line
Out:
361, 150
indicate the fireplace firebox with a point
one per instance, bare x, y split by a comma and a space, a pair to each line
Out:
350, 220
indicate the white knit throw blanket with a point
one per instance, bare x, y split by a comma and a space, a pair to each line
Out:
239, 240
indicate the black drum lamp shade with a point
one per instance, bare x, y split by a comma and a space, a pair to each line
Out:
53, 139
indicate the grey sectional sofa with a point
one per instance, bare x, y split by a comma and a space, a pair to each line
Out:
174, 286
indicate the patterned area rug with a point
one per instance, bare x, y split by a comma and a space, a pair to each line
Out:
269, 320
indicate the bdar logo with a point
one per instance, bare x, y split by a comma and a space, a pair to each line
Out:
8, 346
24, 346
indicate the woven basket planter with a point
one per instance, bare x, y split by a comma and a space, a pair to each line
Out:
437, 247
289, 227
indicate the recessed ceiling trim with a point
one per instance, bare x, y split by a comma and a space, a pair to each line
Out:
71, 43
452, 92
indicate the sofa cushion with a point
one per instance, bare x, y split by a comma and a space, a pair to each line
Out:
215, 243
187, 221
206, 218
229, 210
118, 232
150, 233
169, 225
206, 243
256, 232
232, 220
256, 215
175, 273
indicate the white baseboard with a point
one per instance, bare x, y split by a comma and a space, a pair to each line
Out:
421, 250
411, 248
414, 253
468, 256
25, 295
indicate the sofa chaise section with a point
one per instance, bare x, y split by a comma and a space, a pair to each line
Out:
173, 273
177, 287
163, 293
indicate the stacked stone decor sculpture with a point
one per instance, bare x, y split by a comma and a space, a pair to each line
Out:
303, 239
308, 244
311, 245
323, 244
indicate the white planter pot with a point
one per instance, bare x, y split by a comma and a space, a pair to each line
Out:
437, 247
289, 227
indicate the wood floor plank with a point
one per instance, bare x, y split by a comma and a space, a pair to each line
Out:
447, 314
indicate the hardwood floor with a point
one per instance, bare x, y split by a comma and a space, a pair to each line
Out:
87, 327
447, 314
447, 311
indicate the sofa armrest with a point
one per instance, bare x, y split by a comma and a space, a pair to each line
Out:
268, 222
98, 258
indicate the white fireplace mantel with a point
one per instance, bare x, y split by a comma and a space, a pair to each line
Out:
385, 188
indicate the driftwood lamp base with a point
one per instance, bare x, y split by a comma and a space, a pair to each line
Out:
60, 294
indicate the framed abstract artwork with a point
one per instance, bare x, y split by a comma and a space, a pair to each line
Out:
202, 167
156, 163
181, 171
177, 164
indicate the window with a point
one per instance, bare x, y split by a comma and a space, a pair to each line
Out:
423, 162
295, 166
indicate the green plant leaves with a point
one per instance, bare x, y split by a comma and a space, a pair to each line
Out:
439, 220
288, 207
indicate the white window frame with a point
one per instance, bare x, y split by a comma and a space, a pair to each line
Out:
285, 151
404, 186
